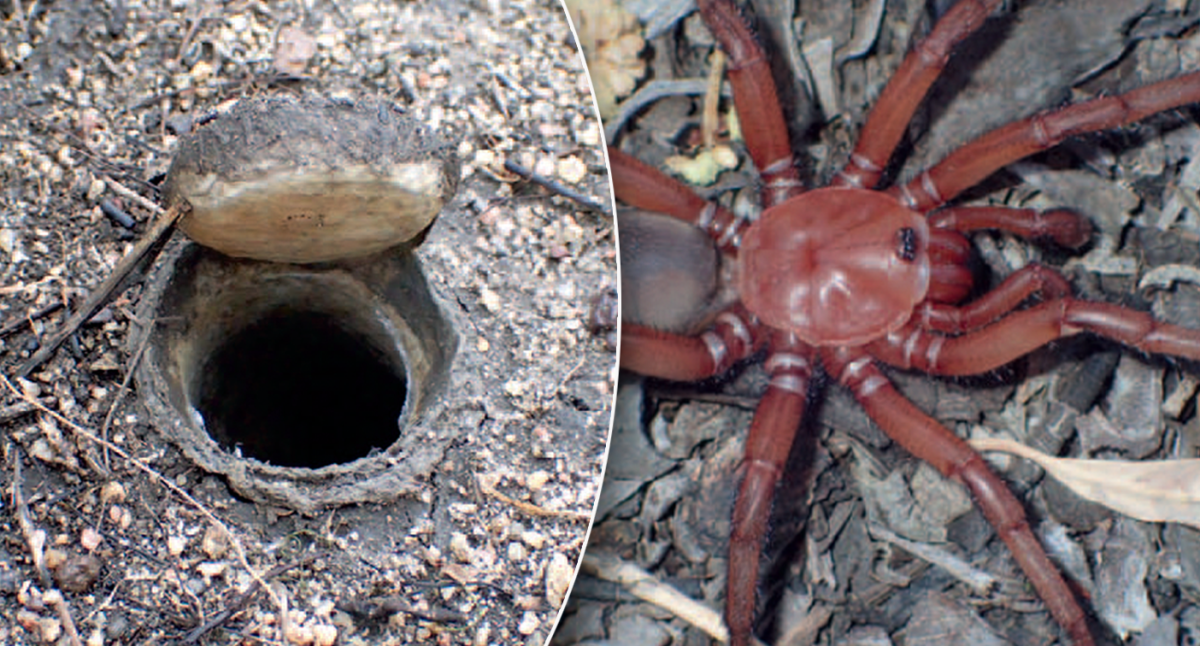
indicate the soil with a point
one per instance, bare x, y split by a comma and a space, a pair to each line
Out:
121, 542
829, 576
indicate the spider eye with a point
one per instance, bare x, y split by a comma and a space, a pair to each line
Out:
907, 248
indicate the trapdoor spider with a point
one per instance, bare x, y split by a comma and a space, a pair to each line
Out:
849, 276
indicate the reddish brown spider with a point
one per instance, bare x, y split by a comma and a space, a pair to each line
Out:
846, 277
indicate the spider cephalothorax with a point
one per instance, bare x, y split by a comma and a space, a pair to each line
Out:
803, 271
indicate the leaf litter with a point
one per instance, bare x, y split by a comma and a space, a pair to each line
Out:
840, 581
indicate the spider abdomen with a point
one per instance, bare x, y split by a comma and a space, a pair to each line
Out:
836, 266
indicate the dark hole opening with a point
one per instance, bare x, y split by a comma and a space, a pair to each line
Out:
299, 389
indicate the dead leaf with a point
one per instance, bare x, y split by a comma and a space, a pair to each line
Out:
612, 42
703, 169
1154, 490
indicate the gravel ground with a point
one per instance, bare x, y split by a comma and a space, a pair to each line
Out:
93, 98
830, 578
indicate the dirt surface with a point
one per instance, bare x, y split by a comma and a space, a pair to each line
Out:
831, 577
93, 97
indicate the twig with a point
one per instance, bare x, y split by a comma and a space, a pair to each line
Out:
373, 610
137, 356
220, 89
36, 540
54, 597
240, 602
563, 382
20, 322
226, 533
77, 143
499, 98
980, 581
643, 585
127, 193
565, 191
530, 508
117, 214
9, 413
146, 247
651, 93
191, 32
673, 393
710, 118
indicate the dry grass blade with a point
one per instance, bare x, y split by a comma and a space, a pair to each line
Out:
1155, 491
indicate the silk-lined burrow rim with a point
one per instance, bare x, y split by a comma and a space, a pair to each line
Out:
305, 386
298, 345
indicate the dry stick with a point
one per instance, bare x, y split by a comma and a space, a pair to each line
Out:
129, 194
8, 413
567, 192
562, 382
191, 32
226, 533
56, 600
652, 92
151, 243
79, 144
710, 119
530, 508
137, 357
36, 540
21, 321
241, 601
389, 606
643, 585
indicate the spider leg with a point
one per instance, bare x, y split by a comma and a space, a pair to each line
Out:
734, 336
971, 163
928, 440
1065, 227
894, 109
1026, 330
776, 422
951, 280
757, 101
1032, 279
643, 186
949, 250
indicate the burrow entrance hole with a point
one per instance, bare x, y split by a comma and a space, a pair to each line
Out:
301, 389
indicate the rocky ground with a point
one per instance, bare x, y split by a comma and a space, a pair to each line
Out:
126, 541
